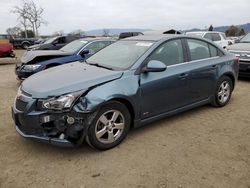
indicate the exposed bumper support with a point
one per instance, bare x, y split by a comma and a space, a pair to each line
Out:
44, 139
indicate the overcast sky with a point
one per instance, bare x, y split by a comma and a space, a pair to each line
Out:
69, 15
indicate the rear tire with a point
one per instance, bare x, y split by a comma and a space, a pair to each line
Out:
110, 126
222, 92
25, 45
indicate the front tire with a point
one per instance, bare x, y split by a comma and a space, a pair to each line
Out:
110, 126
223, 92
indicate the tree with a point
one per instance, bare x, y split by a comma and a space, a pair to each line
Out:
15, 31
34, 15
242, 32
29, 15
211, 28
106, 32
21, 12
232, 31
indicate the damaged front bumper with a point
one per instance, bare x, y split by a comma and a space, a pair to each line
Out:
67, 129
45, 139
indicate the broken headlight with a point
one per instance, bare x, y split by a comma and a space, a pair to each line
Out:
63, 102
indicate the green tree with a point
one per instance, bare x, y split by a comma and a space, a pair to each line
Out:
233, 31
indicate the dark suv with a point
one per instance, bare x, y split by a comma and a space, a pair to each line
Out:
127, 84
54, 43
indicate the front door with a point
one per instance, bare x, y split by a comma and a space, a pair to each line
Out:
165, 91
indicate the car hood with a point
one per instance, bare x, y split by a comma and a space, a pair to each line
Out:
66, 79
34, 46
30, 55
240, 47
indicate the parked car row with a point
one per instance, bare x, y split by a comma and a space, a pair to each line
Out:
78, 50
122, 85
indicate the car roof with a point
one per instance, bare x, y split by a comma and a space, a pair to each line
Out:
89, 39
151, 37
204, 32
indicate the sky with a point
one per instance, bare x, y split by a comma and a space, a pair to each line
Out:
71, 15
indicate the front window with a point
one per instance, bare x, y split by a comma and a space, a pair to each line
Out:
246, 38
97, 46
74, 46
120, 55
50, 40
170, 53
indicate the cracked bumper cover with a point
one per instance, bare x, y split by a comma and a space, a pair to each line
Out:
31, 125
45, 139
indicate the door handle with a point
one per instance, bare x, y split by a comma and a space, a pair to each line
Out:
183, 76
214, 66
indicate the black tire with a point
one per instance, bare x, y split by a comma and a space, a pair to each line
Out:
220, 100
25, 45
124, 117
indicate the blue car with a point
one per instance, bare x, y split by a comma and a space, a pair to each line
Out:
130, 83
78, 50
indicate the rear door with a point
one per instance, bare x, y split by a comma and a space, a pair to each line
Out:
203, 63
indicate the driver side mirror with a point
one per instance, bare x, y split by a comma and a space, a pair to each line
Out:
154, 66
84, 52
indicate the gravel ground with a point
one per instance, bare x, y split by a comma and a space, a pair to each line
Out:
206, 147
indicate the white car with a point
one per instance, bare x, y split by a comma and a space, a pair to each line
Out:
217, 37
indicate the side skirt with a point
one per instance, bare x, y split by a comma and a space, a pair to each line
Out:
139, 123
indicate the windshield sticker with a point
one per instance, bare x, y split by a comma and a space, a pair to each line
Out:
147, 44
83, 41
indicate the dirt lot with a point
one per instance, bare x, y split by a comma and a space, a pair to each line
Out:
205, 147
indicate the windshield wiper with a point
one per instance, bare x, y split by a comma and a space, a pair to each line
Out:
98, 65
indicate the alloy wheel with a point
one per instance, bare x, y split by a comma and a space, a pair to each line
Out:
110, 126
224, 92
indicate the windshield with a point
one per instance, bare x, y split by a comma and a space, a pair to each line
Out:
74, 46
246, 38
120, 55
50, 40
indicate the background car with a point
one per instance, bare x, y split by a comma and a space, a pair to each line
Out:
217, 37
127, 84
54, 43
78, 50
6, 48
242, 51
129, 34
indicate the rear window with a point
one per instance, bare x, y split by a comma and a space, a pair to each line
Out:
216, 37
213, 51
198, 49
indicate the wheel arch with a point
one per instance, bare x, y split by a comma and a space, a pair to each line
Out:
128, 104
231, 76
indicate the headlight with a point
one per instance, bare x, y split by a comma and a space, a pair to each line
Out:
31, 67
63, 102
